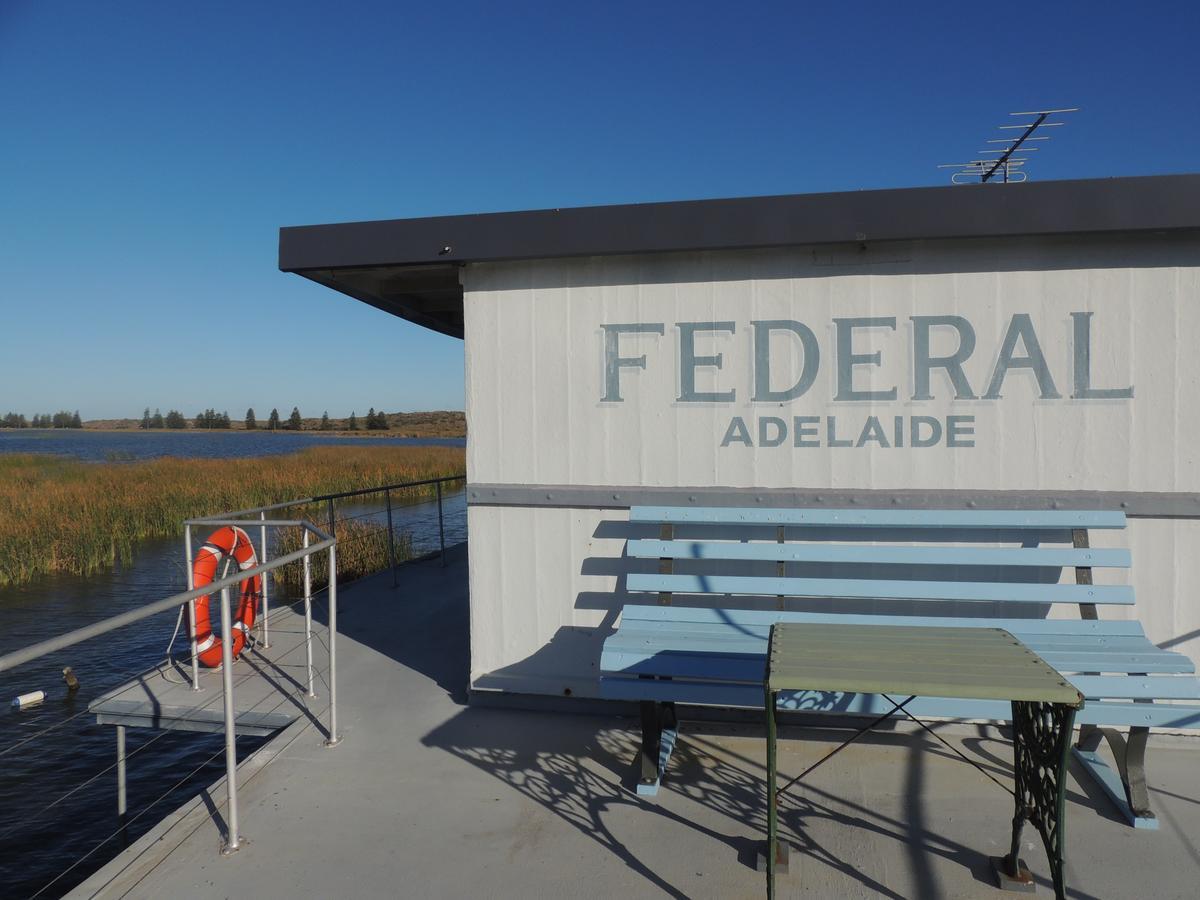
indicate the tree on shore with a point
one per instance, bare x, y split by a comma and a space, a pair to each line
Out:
352, 425
156, 421
145, 419
377, 421
273, 421
251, 422
295, 423
14, 420
175, 419
76, 422
325, 426
211, 419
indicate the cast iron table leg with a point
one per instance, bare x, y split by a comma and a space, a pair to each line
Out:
772, 816
1041, 748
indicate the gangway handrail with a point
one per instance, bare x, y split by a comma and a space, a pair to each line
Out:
112, 623
326, 542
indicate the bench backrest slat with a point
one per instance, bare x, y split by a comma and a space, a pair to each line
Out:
875, 554
750, 585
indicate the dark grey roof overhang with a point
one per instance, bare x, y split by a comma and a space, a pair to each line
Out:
410, 267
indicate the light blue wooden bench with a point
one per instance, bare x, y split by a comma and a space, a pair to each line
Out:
969, 568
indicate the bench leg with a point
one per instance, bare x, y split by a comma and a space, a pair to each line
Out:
659, 731
1126, 787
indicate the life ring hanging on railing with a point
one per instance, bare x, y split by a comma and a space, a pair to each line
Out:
227, 541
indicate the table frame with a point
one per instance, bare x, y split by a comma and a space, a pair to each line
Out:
1041, 751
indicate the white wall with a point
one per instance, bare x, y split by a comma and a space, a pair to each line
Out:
543, 580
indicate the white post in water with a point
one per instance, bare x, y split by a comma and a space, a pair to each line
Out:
333, 732
308, 616
121, 775
187, 553
266, 580
233, 839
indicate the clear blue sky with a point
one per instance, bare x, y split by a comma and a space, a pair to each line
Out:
149, 152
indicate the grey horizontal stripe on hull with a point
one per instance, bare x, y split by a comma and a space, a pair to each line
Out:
1143, 504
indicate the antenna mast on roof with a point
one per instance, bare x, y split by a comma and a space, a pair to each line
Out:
1007, 167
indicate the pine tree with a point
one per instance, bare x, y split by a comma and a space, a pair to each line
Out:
175, 419
273, 421
146, 418
224, 421
325, 426
76, 422
294, 421
251, 422
352, 425
156, 421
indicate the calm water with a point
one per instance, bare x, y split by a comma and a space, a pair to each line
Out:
98, 446
66, 765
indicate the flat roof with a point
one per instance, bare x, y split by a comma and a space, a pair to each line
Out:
410, 267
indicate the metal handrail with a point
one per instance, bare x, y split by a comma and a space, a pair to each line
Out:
104, 626
326, 542
323, 498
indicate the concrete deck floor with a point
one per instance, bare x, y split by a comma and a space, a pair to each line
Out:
428, 797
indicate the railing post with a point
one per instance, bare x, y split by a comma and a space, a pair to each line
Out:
187, 553
121, 805
441, 524
233, 838
266, 581
332, 525
333, 732
308, 616
387, 495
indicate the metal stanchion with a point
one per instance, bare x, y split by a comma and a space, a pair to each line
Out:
308, 616
187, 553
387, 495
441, 524
121, 805
266, 581
333, 732
233, 839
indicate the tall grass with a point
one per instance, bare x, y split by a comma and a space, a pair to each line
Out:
63, 515
362, 549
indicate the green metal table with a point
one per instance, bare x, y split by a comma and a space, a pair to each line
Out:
908, 662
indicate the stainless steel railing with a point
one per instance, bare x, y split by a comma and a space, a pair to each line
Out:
315, 540
325, 543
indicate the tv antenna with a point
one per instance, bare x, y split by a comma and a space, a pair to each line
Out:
1007, 166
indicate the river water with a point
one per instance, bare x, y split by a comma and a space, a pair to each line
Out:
98, 446
57, 767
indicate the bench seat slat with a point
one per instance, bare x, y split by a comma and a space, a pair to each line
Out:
860, 588
749, 667
650, 642
1051, 557
640, 634
1137, 687
637, 612
880, 518
1156, 715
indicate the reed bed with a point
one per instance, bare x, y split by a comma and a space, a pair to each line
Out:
64, 515
362, 549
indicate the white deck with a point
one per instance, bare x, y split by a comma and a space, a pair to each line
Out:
428, 797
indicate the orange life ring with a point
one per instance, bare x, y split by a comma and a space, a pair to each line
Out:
227, 541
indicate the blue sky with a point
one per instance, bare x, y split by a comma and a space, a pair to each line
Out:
151, 150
